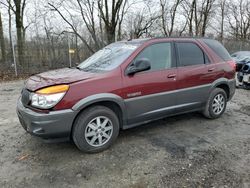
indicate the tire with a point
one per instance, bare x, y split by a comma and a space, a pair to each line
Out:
210, 109
93, 123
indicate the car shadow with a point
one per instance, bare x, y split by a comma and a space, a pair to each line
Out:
165, 133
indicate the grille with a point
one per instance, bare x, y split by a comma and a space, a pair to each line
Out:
25, 97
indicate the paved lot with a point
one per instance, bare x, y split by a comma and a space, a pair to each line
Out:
183, 151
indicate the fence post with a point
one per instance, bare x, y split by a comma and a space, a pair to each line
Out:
14, 56
69, 51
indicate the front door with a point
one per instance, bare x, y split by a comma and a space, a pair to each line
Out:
149, 94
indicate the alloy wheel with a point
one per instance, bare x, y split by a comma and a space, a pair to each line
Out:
218, 104
98, 131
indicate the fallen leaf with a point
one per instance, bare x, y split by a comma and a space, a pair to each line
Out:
23, 157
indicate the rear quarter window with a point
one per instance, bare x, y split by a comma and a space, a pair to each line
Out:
218, 48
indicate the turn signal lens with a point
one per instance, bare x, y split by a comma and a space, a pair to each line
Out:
53, 89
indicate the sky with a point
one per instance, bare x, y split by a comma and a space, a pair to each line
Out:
39, 15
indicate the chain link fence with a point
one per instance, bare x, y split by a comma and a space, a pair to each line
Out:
236, 45
39, 58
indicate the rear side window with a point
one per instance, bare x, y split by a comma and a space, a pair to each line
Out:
189, 54
218, 48
159, 55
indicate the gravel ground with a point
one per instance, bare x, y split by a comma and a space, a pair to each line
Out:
182, 151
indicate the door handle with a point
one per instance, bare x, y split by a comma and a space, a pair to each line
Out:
211, 69
171, 75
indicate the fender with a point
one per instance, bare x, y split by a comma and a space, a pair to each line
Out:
231, 83
220, 81
101, 97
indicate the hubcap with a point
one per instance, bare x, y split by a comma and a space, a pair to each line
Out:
98, 131
218, 104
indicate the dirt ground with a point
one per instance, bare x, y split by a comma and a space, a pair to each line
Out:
182, 151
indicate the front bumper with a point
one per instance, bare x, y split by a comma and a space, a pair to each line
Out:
53, 125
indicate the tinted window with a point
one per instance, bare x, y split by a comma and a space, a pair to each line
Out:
207, 61
218, 49
159, 55
189, 54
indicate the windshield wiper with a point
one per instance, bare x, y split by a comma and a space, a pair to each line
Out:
83, 69
78, 68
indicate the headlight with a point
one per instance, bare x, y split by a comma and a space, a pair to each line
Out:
48, 97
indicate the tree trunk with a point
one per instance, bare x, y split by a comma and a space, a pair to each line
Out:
191, 19
222, 7
110, 19
110, 32
10, 33
174, 9
19, 31
2, 43
196, 19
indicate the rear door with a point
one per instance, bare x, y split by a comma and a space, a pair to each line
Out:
148, 95
193, 75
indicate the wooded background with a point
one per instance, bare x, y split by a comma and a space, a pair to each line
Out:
37, 35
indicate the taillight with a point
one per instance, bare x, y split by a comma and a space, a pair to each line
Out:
232, 64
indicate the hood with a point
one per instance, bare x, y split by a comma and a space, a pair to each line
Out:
55, 77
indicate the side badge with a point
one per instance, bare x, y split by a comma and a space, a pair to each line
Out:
134, 94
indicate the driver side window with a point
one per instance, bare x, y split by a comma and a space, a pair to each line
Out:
159, 56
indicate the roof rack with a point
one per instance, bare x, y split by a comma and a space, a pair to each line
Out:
189, 37
163, 37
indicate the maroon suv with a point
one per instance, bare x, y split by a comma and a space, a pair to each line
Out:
125, 84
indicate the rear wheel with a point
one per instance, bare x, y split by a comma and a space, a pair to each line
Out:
95, 129
216, 104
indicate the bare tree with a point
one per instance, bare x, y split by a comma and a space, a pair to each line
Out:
18, 8
168, 15
222, 7
140, 24
239, 19
198, 14
121, 18
189, 12
206, 12
87, 9
9, 6
72, 27
110, 16
19, 11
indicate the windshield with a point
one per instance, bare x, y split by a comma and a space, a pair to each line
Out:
108, 58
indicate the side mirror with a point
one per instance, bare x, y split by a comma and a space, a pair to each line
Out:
139, 66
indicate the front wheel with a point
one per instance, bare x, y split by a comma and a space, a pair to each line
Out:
95, 129
216, 104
